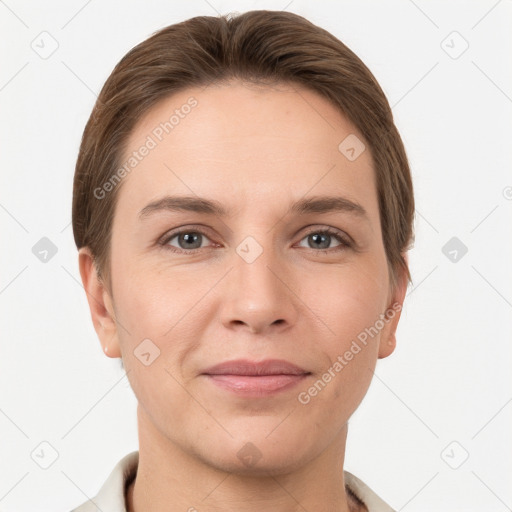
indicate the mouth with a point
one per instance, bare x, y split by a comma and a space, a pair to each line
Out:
256, 379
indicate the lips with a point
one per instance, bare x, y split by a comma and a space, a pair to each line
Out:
251, 379
251, 368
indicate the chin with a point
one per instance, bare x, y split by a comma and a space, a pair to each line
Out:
257, 455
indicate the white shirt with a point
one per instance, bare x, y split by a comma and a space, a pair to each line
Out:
111, 497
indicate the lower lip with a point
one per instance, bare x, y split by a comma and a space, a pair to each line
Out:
256, 386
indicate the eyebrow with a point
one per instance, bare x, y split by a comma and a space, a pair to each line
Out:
317, 204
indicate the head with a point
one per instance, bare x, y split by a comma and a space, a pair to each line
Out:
261, 115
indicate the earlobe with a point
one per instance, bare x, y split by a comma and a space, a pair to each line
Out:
392, 315
100, 304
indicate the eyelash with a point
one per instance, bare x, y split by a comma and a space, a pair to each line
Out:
344, 241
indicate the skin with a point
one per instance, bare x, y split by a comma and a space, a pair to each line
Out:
256, 150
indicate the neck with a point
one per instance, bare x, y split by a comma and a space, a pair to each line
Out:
170, 479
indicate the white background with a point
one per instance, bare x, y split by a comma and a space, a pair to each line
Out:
449, 379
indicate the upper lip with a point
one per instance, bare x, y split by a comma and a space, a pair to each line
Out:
247, 367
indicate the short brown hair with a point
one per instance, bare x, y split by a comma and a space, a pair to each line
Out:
256, 46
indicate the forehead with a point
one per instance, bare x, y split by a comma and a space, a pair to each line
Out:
254, 139
223, 112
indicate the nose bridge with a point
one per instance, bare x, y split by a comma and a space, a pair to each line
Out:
253, 264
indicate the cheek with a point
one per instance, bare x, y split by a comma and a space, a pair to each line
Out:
160, 332
148, 297
346, 301
164, 307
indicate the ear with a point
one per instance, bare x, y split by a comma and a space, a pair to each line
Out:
100, 304
392, 314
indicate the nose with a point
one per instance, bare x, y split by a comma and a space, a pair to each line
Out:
258, 296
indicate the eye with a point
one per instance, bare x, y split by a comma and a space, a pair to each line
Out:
321, 239
191, 240
186, 240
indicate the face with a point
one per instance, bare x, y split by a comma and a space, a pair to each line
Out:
278, 274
